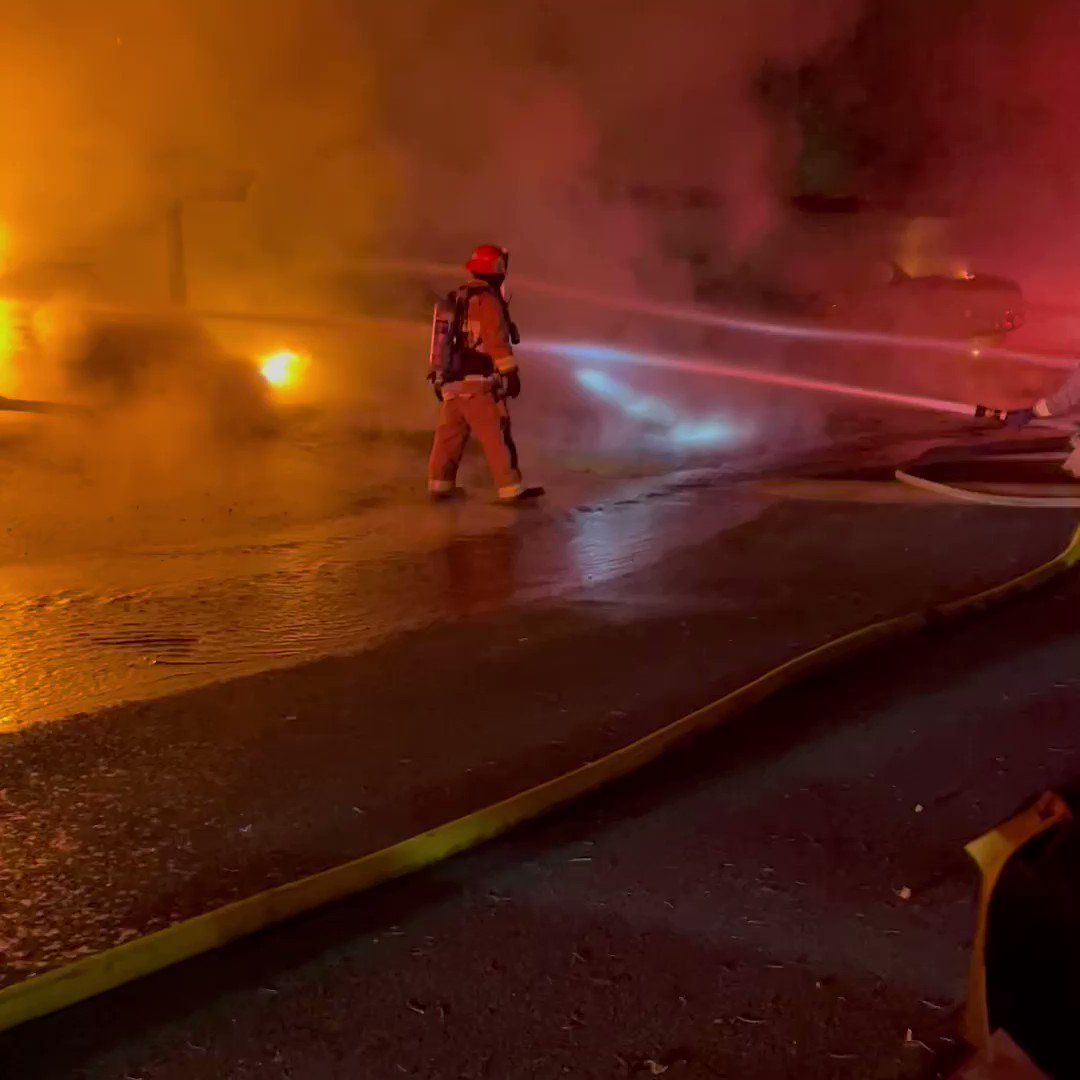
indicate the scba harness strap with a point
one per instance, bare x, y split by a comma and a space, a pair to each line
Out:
453, 355
463, 360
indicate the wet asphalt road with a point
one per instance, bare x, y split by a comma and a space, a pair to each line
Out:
82, 635
150, 617
121, 822
120, 586
118, 822
736, 911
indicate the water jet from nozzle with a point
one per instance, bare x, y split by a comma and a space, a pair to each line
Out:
591, 353
767, 327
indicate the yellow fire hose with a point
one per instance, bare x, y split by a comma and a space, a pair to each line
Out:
54, 990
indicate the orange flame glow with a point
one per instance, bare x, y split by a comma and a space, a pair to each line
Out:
9, 346
282, 369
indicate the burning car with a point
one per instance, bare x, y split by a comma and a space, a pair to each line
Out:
125, 360
838, 257
58, 343
981, 308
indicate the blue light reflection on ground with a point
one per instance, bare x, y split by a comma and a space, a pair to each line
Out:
678, 429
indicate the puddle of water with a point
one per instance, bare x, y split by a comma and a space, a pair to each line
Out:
312, 564
80, 635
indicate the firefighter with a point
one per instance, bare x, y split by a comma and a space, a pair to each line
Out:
474, 372
1066, 399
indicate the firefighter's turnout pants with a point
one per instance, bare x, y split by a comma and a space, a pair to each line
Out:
470, 407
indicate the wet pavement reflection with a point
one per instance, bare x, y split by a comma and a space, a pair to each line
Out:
81, 634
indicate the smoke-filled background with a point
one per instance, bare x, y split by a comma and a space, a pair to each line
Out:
400, 128
645, 150
969, 107
415, 128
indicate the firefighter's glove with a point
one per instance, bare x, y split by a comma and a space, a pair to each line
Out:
1018, 419
436, 386
513, 383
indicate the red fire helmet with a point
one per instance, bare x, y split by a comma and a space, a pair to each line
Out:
489, 259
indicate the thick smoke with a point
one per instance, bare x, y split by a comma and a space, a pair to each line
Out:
393, 128
968, 109
369, 132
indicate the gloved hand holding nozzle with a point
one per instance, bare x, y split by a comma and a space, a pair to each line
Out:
1064, 404
1018, 419
1065, 400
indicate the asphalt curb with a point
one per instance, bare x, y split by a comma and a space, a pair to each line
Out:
96, 974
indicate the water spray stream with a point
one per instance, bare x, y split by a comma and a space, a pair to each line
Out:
707, 366
603, 354
774, 328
